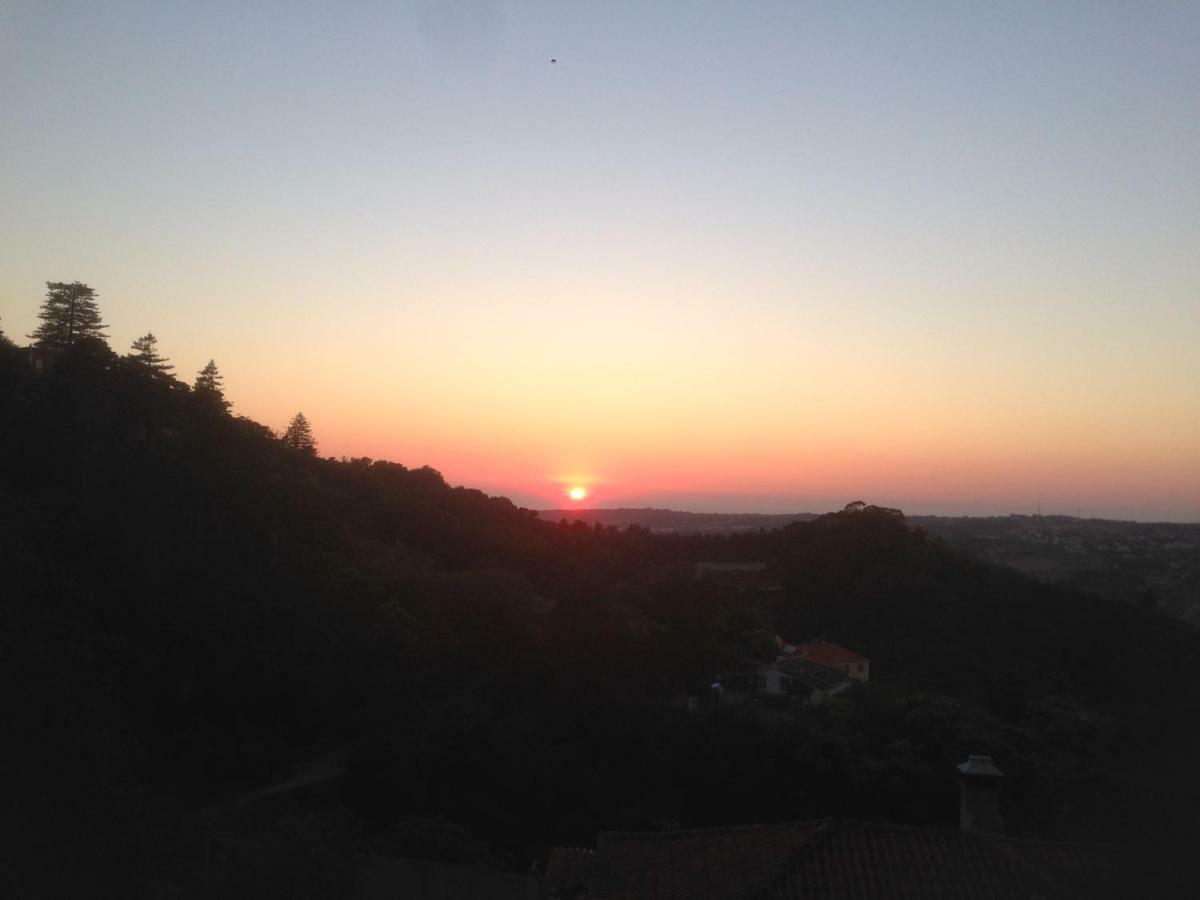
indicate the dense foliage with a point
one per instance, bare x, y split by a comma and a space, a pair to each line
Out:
192, 609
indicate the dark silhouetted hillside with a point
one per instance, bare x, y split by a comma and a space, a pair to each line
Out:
194, 612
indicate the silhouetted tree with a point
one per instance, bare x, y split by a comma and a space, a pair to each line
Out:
12, 360
69, 313
299, 435
208, 386
146, 356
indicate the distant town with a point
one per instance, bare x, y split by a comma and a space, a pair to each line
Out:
1153, 564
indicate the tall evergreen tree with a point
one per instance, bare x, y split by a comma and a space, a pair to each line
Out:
69, 313
4, 337
299, 435
208, 386
145, 355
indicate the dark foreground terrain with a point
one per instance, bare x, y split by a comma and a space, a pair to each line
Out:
234, 668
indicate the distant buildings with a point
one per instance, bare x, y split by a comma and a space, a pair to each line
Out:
812, 672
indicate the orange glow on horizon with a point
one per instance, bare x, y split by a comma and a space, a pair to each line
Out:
768, 429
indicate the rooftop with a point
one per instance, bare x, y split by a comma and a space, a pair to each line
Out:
829, 859
814, 674
829, 654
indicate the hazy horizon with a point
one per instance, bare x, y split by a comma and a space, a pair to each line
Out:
715, 257
738, 506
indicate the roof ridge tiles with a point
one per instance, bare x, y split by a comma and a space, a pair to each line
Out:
716, 829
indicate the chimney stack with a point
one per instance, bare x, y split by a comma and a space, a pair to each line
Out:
979, 788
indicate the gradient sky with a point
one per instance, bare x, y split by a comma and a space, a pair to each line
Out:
736, 256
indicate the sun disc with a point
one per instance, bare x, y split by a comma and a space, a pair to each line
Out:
577, 493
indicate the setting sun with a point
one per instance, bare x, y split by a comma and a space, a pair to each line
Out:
524, 432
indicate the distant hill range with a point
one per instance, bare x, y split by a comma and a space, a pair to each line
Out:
671, 521
1148, 563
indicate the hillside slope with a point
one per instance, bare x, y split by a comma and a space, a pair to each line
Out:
191, 609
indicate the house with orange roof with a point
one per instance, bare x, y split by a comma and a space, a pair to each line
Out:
834, 656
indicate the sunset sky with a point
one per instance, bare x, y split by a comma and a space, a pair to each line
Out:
719, 256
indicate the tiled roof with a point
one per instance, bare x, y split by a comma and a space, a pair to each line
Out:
389, 877
570, 872
833, 860
813, 674
713, 864
829, 654
856, 861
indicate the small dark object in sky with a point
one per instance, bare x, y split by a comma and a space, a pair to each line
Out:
553, 61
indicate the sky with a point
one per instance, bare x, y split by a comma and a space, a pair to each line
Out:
733, 256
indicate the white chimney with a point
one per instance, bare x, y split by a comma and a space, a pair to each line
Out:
979, 789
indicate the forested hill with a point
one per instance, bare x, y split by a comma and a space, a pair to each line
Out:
193, 607
1148, 563
673, 521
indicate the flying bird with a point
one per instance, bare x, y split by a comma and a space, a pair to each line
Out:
553, 61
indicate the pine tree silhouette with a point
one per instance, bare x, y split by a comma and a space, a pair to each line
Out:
299, 435
69, 313
145, 354
208, 387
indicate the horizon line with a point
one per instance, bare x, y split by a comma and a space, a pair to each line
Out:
780, 515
